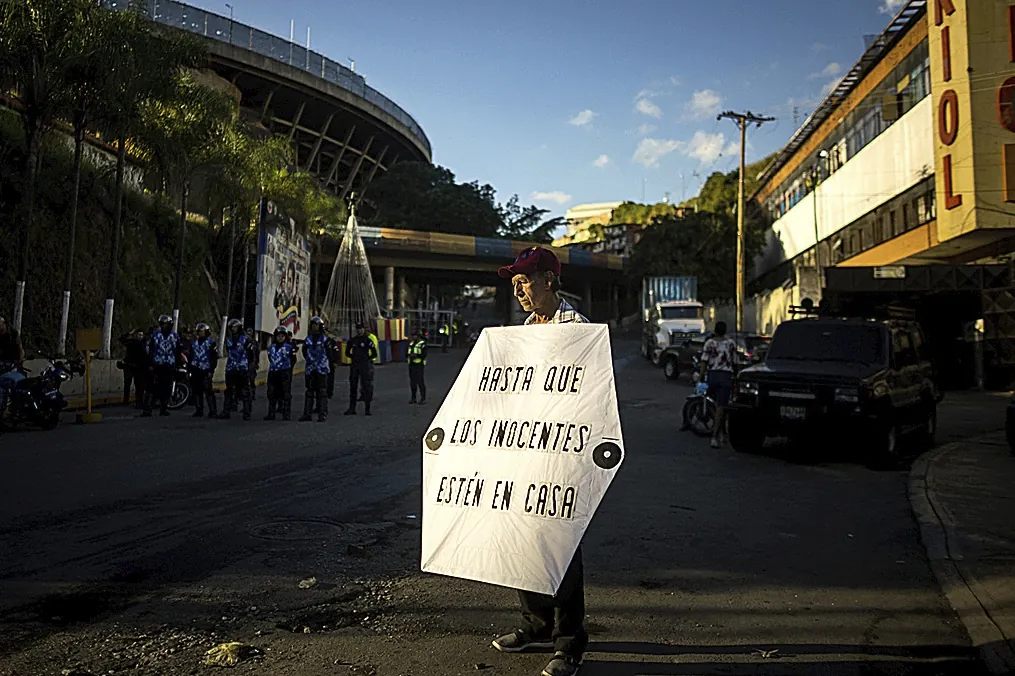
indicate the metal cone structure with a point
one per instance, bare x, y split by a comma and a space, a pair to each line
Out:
520, 455
351, 296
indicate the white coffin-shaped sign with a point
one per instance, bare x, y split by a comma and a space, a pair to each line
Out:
520, 454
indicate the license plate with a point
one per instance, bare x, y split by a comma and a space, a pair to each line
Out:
793, 412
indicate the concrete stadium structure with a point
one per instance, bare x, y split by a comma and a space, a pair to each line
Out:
345, 131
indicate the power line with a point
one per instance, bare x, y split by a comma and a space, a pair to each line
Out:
742, 120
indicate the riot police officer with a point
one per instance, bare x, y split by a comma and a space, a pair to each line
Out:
361, 352
315, 352
204, 357
254, 364
281, 359
239, 351
417, 366
164, 354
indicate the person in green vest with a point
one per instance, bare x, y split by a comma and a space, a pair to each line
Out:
417, 365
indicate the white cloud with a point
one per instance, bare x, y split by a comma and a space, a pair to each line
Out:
703, 103
819, 47
583, 118
831, 70
891, 6
555, 196
646, 107
674, 80
651, 150
706, 148
601, 161
646, 129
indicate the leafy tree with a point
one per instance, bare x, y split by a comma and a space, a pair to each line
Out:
631, 213
186, 133
146, 67
38, 43
701, 244
526, 223
419, 196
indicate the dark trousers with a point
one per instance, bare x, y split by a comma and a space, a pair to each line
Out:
317, 391
201, 390
162, 385
361, 378
138, 376
331, 381
560, 618
252, 375
238, 390
280, 392
417, 380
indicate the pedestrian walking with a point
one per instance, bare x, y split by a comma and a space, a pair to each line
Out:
315, 352
417, 366
718, 357
281, 359
239, 352
164, 352
203, 358
361, 353
255, 362
556, 622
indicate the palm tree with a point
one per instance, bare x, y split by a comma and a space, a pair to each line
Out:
85, 78
188, 137
38, 43
147, 66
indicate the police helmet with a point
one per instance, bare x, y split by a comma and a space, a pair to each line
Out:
201, 326
281, 331
165, 319
235, 323
289, 332
316, 320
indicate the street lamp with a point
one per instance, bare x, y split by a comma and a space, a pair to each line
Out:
230, 22
815, 174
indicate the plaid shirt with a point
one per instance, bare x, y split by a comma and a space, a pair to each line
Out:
565, 314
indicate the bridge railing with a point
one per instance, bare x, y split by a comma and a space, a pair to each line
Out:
224, 29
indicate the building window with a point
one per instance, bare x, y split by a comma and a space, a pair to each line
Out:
894, 222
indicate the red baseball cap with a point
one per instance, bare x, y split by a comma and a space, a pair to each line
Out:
533, 259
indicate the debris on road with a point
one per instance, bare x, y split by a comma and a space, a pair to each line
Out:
308, 583
230, 654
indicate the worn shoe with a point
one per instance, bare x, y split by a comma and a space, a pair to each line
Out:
562, 664
351, 411
306, 417
518, 641
413, 400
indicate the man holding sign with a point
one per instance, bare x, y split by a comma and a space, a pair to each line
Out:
518, 458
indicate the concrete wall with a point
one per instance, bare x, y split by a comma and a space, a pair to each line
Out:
895, 161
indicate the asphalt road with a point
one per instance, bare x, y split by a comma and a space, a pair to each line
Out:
133, 546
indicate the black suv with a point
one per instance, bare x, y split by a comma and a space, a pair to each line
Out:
866, 380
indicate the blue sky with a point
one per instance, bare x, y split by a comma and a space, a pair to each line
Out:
569, 101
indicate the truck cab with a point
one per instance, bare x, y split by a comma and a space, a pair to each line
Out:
671, 323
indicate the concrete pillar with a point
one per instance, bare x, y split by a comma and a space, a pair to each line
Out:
389, 288
587, 300
402, 292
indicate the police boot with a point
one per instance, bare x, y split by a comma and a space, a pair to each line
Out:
308, 408
271, 410
212, 407
352, 408
247, 406
322, 407
287, 407
366, 404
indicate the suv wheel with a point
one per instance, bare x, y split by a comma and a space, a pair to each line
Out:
745, 435
670, 369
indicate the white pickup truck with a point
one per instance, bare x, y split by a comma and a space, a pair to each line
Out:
671, 323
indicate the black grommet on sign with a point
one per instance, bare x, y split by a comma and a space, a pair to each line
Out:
435, 438
607, 455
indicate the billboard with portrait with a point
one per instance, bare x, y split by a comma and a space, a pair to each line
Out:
283, 273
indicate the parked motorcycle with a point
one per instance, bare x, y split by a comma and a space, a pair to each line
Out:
699, 410
37, 400
179, 391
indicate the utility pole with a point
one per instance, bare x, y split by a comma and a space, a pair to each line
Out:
742, 120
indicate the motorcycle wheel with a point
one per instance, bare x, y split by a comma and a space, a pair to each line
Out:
701, 417
47, 420
179, 397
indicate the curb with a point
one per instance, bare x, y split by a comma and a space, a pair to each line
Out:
937, 532
80, 403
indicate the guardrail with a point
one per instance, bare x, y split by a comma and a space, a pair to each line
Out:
222, 28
